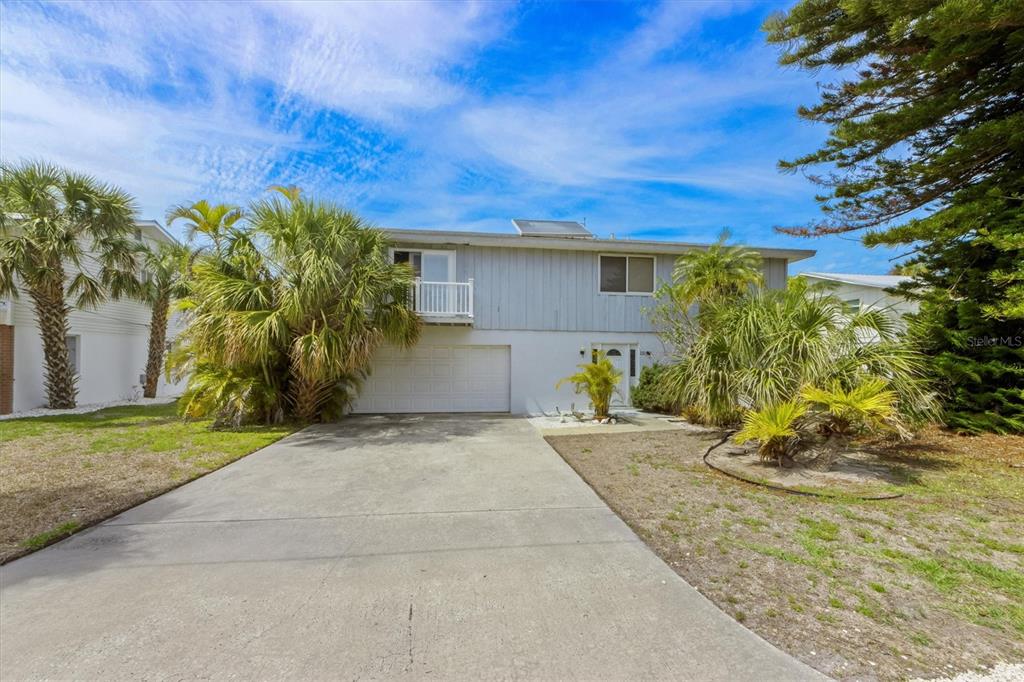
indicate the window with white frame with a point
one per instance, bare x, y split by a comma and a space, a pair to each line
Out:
627, 274
74, 348
851, 305
430, 266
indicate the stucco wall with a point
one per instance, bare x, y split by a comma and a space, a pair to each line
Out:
540, 358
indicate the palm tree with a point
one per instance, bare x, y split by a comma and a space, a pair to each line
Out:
285, 320
718, 272
165, 269
203, 219
761, 349
63, 235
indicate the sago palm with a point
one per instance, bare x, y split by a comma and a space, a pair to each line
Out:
165, 268
774, 427
64, 237
598, 380
290, 311
869, 405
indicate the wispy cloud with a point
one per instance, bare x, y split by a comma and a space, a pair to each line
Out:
660, 119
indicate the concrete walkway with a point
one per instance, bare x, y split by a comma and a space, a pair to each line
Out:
415, 547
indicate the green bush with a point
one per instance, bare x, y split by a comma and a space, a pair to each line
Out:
648, 393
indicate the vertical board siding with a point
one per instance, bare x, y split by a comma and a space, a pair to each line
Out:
557, 290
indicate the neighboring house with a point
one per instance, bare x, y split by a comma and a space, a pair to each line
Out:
867, 292
108, 346
508, 315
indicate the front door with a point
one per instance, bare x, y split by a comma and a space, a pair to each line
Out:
619, 356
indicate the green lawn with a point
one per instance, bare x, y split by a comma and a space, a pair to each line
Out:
64, 473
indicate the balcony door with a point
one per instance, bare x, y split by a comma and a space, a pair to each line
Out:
429, 266
436, 292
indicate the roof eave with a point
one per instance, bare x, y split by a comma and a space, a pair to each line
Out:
451, 237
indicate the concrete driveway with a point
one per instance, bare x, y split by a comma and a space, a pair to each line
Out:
411, 547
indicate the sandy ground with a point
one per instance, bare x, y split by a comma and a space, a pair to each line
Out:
927, 585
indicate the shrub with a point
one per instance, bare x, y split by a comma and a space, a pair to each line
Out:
649, 394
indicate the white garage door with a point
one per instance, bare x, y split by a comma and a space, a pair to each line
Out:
436, 378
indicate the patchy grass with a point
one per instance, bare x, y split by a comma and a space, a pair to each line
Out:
887, 589
67, 472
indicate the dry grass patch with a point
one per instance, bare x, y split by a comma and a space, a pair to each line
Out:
64, 473
923, 585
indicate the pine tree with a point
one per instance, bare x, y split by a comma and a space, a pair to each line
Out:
926, 151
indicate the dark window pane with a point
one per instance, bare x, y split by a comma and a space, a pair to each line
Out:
632, 362
641, 275
614, 353
413, 258
613, 273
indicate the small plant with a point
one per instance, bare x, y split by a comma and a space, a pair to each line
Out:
869, 406
598, 380
774, 428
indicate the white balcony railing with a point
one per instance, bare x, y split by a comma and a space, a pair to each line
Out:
443, 299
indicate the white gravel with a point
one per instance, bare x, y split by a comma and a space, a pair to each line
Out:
92, 407
1002, 672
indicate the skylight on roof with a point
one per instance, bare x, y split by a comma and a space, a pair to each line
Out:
551, 228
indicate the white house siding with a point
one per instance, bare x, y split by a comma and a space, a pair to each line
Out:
113, 348
873, 298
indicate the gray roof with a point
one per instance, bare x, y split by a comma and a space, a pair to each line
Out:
515, 241
551, 228
875, 281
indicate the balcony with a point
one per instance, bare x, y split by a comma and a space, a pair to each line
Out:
443, 302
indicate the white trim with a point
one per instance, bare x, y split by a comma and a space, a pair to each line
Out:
627, 256
638, 246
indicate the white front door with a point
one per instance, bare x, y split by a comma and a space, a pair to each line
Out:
619, 356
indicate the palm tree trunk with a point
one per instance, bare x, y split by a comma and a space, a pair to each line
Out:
307, 397
52, 318
157, 341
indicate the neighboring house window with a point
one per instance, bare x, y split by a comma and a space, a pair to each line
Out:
627, 274
73, 343
851, 305
430, 266
138, 234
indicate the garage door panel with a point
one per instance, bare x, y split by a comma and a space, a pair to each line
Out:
438, 378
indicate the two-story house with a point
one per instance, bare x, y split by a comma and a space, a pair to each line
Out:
507, 315
108, 345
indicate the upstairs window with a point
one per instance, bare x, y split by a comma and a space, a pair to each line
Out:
430, 266
627, 274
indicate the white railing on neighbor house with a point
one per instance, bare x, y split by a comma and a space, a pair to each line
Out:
443, 299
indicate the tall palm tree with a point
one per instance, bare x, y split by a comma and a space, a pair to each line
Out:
63, 235
205, 220
165, 269
286, 320
718, 272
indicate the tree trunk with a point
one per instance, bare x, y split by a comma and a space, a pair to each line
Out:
157, 340
307, 395
52, 318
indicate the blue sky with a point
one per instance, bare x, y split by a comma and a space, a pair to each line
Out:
648, 120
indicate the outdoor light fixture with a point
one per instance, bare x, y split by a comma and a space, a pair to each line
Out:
582, 351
